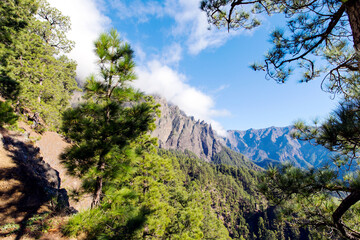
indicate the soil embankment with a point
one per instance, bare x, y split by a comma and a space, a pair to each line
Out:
30, 176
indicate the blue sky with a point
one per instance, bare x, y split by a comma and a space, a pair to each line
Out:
205, 72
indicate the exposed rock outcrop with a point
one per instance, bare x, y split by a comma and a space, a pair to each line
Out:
51, 146
175, 130
40, 173
271, 145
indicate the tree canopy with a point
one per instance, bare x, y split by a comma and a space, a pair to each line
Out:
328, 197
316, 30
35, 73
15, 17
113, 115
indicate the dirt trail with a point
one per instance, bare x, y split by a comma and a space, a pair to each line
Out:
51, 146
20, 196
21, 199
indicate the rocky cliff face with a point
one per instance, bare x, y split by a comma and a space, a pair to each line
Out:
272, 145
275, 145
175, 130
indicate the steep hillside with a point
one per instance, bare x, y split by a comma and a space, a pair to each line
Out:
234, 197
175, 130
275, 145
33, 183
230, 157
31, 193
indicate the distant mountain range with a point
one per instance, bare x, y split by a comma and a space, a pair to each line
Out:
275, 145
272, 145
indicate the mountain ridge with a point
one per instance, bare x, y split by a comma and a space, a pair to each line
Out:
175, 130
275, 145
272, 145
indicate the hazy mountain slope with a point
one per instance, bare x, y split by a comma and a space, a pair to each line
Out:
275, 145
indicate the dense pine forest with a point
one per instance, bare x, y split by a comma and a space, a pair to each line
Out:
141, 191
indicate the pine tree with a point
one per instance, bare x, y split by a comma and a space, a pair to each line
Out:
327, 29
34, 72
113, 115
7, 115
15, 17
326, 198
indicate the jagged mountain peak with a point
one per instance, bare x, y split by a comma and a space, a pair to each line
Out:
272, 145
175, 130
275, 145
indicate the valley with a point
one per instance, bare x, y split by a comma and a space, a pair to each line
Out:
113, 117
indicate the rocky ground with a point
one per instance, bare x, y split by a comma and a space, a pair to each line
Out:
28, 162
51, 145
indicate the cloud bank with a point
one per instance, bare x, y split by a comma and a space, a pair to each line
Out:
156, 78
87, 22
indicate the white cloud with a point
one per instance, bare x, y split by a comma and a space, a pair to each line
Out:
87, 22
139, 53
192, 22
156, 78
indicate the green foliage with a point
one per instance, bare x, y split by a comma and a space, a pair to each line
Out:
35, 225
308, 195
113, 116
7, 115
176, 195
286, 180
326, 198
33, 69
16, 16
234, 196
53, 27
229, 157
148, 200
326, 29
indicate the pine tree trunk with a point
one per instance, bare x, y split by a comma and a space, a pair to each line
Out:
98, 187
352, 9
97, 193
345, 205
